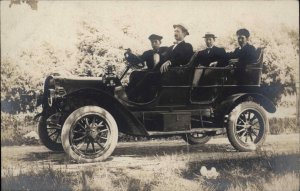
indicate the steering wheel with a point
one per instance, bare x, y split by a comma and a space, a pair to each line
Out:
133, 60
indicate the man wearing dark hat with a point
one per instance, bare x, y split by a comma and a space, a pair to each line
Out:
154, 57
246, 53
212, 55
181, 52
142, 83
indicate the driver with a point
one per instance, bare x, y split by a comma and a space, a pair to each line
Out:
153, 57
181, 52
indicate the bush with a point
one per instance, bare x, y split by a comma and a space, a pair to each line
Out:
283, 125
13, 128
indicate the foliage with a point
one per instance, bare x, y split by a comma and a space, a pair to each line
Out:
97, 47
95, 51
12, 129
283, 125
31, 3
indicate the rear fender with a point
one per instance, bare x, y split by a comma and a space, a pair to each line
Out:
127, 122
230, 102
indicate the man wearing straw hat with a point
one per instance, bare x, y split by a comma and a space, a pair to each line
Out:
212, 55
181, 52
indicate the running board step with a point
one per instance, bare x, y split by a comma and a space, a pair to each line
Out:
199, 130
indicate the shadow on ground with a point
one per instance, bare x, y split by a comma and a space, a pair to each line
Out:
167, 149
134, 150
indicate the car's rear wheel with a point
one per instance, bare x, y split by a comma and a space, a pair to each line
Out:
89, 134
49, 130
247, 126
196, 138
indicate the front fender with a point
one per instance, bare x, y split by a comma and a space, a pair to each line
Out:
127, 122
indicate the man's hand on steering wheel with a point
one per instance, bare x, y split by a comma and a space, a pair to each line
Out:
133, 60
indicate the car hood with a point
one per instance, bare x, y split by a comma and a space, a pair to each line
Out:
71, 84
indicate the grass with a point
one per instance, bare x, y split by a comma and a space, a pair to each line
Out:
45, 179
166, 173
283, 125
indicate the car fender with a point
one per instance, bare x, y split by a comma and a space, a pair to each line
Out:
231, 101
127, 122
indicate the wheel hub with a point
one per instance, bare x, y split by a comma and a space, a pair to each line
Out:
93, 133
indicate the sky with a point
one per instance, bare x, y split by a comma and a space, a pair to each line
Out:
57, 22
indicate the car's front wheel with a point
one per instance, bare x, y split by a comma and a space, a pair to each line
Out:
247, 126
196, 138
89, 134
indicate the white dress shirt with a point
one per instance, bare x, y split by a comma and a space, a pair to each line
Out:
176, 43
156, 58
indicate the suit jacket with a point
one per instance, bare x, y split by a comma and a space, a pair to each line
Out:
209, 55
181, 54
246, 55
147, 57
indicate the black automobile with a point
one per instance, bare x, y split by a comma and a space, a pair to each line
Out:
84, 115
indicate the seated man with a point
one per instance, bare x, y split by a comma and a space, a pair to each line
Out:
142, 83
245, 54
181, 52
212, 55
209, 57
154, 56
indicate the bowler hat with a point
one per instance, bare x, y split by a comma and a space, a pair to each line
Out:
155, 37
209, 35
183, 27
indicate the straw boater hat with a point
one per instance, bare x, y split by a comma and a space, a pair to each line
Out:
209, 35
183, 27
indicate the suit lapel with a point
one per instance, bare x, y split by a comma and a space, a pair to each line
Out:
178, 45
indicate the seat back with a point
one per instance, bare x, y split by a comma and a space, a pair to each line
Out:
254, 71
260, 55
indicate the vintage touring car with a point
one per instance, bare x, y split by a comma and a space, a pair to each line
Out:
84, 115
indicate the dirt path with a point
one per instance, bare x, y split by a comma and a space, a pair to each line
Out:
150, 153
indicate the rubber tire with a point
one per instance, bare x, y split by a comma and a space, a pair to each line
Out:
195, 141
77, 114
44, 138
234, 114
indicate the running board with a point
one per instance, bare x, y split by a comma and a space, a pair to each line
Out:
198, 130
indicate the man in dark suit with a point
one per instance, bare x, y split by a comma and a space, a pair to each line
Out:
246, 53
242, 56
143, 84
153, 58
212, 55
181, 52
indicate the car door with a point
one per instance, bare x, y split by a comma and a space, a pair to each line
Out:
207, 84
175, 86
